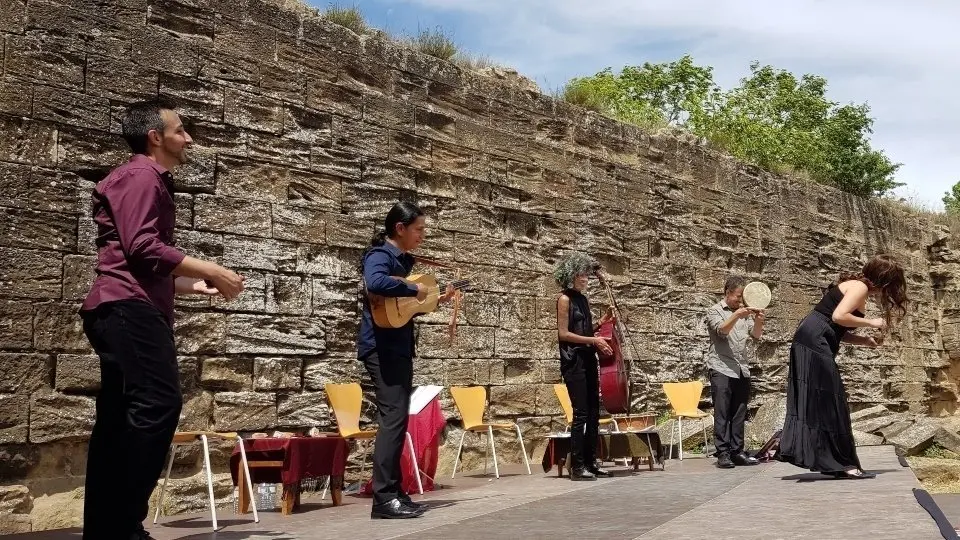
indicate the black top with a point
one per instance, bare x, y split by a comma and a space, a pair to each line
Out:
831, 299
580, 322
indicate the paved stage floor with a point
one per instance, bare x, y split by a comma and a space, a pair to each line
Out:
691, 499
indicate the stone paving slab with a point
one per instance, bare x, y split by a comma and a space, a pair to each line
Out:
787, 502
692, 499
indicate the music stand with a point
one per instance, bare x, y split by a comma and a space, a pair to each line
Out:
420, 398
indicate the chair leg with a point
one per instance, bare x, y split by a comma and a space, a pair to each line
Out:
416, 466
456, 460
206, 465
670, 455
326, 485
363, 461
486, 454
523, 449
246, 467
496, 468
163, 487
703, 426
680, 431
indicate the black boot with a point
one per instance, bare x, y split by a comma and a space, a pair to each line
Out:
405, 499
743, 459
598, 471
581, 473
724, 462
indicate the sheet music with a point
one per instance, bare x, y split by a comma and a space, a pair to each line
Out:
421, 396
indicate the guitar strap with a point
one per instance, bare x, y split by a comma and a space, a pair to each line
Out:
457, 295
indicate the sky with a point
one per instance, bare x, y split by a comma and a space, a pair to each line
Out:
901, 58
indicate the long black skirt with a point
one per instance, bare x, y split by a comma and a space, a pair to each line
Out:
817, 434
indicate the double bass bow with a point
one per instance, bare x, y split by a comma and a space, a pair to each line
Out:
614, 368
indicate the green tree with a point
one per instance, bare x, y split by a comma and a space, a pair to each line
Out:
772, 118
951, 199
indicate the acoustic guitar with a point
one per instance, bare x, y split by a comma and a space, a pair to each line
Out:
394, 312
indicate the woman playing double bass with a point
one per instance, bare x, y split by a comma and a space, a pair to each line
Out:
578, 361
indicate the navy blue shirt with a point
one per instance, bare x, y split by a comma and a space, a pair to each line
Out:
380, 264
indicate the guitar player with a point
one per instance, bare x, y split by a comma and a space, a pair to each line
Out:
387, 353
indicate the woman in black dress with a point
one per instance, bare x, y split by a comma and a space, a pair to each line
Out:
578, 361
817, 434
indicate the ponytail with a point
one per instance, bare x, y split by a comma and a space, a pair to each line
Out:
379, 239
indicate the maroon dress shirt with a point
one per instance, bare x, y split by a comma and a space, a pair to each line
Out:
135, 215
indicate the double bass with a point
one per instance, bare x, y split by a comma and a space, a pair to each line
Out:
614, 368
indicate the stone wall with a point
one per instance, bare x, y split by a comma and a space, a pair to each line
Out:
305, 135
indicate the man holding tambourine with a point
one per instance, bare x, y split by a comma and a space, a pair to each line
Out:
729, 328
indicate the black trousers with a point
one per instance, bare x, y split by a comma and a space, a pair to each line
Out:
392, 377
581, 375
730, 398
138, 409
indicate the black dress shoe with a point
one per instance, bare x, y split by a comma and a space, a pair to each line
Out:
581, 474
599, 472
723, 461
394, 509
744, 459
405, 499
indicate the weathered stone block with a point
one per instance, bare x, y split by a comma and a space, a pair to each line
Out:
26, 273
305, 410
14, 418
229, 215
25, 372
58, 327
16, 324
245, 411
276, 184
258, 334
299, 224
288, 294
277, 373
876, 411
231, 374
318, 372
916, 438
15, 500
512, 399
348, 231
185, 18
36, 230
865, 439
77, 373
90, 154
197, 412
46, 60
200, 332
259, 254
521, 371
55, 416
196, 99
119, 79
250, 111
78, 276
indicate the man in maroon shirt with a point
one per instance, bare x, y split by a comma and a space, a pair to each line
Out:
128, 318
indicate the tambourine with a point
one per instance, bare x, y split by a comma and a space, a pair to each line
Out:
756, 295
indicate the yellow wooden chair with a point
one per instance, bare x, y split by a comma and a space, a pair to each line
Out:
183, 438
472, 402
346, 401
563, 396
684, 397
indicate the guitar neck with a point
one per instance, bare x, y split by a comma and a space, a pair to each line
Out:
457, 284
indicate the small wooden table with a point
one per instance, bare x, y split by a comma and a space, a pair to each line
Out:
632, 444
288, 461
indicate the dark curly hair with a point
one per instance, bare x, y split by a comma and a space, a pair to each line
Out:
884, 273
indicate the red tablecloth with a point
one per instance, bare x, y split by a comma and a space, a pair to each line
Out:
302, 457
425, 428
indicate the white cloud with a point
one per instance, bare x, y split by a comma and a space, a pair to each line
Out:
901, 58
